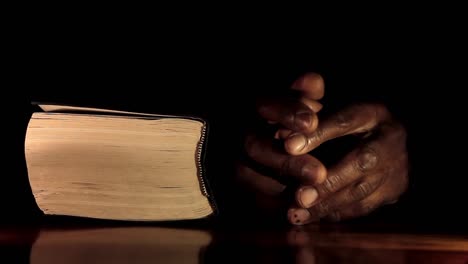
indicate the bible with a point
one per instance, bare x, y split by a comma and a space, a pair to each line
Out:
117, 165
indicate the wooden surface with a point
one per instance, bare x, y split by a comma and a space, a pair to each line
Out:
220, 244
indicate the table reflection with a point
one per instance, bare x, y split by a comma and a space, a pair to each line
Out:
312, 246
119, 245
231, 244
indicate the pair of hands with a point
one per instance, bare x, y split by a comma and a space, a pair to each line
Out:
373, 174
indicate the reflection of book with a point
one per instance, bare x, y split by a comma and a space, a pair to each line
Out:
120, 245
117, 165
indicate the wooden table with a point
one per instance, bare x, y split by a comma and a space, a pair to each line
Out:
187, 243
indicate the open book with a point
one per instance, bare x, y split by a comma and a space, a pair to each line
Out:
117, 165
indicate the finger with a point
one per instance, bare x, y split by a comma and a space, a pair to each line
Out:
347, 196
353, 167
257, 182
303, 168
301, 216
352, 120
312, 104
272, 122
357, 209
288, 112
283, 133
311, 84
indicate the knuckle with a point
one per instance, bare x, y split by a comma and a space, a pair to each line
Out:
323, 208
286, 166
330, 185
370, 115
361, 191
367, 159
376, 111
343, 119
319, 134
313, 139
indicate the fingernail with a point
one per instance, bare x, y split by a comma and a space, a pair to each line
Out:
299, 216
303, 119
272, 122
283, 133
277, 135
307, 196
295, 143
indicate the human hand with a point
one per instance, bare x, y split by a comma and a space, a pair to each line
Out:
373, 174
269, 169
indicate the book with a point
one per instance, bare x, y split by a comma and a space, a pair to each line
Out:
120, 245
117, 165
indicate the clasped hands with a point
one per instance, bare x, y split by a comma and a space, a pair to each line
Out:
373, 174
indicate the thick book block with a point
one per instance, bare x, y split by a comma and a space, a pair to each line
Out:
117, 165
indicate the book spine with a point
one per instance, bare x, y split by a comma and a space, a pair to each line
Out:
200, 162
201, 153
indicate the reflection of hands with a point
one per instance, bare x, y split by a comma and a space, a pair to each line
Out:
312, 245
373, 174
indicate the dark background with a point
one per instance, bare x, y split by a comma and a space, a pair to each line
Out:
417, 70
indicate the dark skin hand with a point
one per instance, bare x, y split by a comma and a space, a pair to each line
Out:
372, 175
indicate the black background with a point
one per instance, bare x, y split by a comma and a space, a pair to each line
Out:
418, 70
